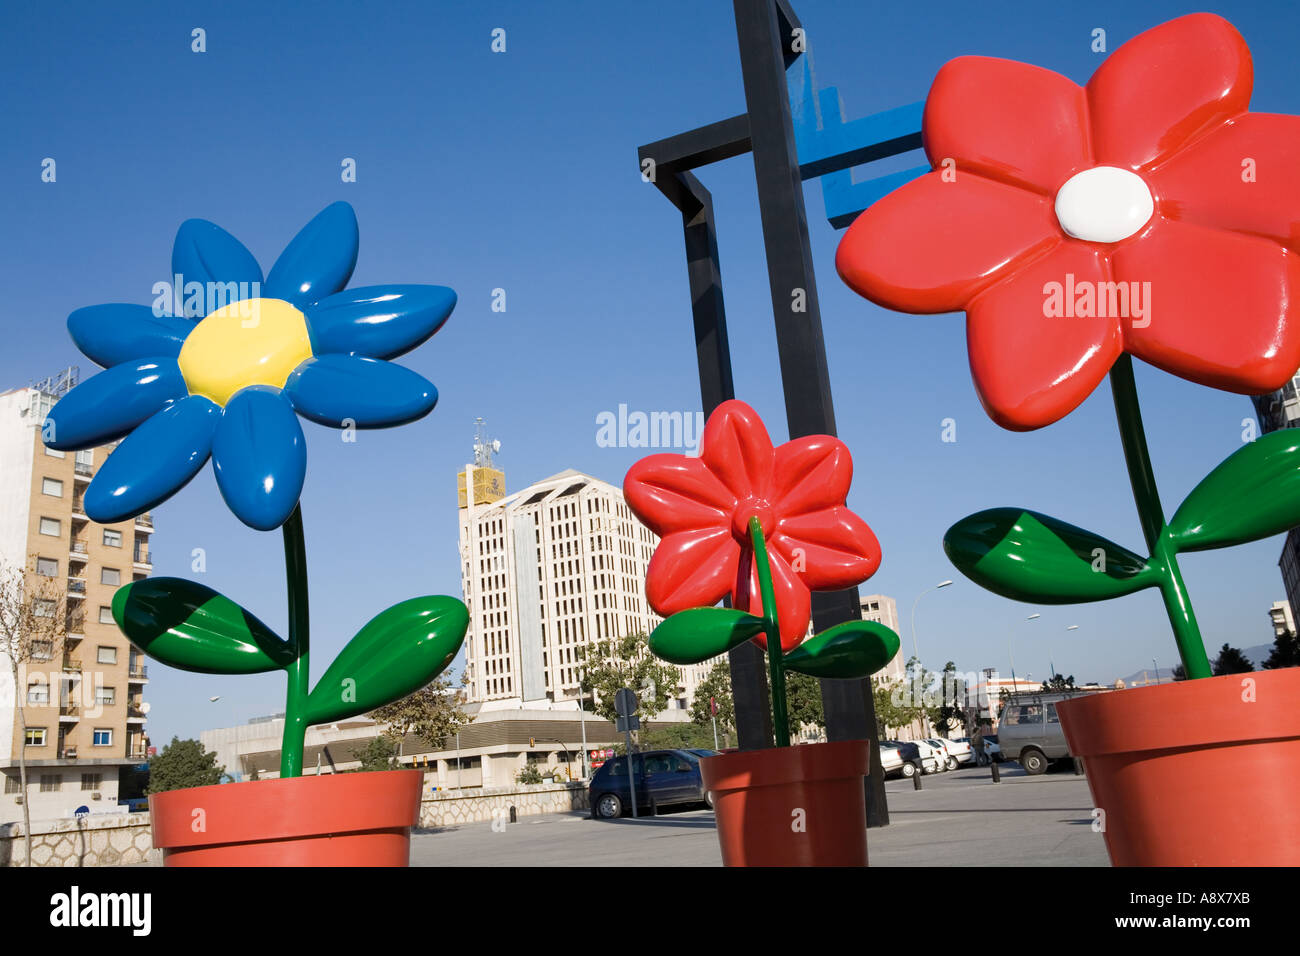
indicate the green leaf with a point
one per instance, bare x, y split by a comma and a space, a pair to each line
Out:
1032, 557
689, 637
397, 652
852, 649
195, 628
1252, 494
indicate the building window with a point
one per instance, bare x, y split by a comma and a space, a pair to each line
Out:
43, 607
54, 454
51, 783
47, 567
52, 527
91, 781
52, 487
105, 615
110, 576
35, 737
112, 539
12, 784
103, 736
42, 650
106, 695
38, 693
107, 655
86, 457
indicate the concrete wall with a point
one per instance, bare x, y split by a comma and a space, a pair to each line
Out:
95, 841
454, 807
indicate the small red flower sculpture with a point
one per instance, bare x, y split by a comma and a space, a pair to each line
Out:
1147, 212
701, 507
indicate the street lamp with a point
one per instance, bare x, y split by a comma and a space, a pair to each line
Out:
1011, 649
916, 653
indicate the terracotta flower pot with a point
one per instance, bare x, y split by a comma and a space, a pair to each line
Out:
1195, 773
350, 819
791, 806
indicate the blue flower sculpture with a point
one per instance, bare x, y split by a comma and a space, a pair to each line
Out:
230, 385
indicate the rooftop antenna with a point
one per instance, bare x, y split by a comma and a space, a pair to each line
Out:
484, 447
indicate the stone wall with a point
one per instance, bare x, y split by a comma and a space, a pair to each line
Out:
119, 840
454, 807
98, 840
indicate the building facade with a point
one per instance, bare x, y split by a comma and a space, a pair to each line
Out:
83, 697
1281, 409
883, 610
546, 572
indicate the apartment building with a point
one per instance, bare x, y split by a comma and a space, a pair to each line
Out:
546, 572
84, 697
883, 610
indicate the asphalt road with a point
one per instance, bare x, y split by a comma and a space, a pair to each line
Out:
959, 819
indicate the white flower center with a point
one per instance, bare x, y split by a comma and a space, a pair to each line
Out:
1104, 204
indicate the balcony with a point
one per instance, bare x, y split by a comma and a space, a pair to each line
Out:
77, 588
79, 551
69, 712
138, 672
79, 508
68, 753
83, 470
144, 522
137, 752
72, 665
134, 711
143, 559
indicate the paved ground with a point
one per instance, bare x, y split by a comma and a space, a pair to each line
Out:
958, 819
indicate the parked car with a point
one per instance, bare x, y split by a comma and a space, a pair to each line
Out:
891, 760
946, 756
1029, 731
917, 756
960, 748
992, 751
663, 778
938, 753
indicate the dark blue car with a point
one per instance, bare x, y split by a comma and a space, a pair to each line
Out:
664, 777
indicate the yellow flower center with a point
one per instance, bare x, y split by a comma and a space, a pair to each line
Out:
250, 342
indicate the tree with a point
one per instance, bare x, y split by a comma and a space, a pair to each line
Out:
686, 735
891, 712
183, 764
433, 712
33, 617
716, 686
614, 663
379, 754
1231, 661
803, 702
1057, 683
1286, 651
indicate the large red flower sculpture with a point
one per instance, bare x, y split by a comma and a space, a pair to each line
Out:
700, 508
1147, 212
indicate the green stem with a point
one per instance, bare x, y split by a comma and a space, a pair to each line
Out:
772, 631
1178, 605
295, 710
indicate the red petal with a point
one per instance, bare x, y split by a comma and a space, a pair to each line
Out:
811, 473
1225, 307
1031, 369
1206, 184
830, 549
673, 493
793, 600
1165, 87
1009, 121
691, 569
736, 448
930, 246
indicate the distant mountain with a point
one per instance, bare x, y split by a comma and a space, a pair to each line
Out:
1148, 675
1256, 655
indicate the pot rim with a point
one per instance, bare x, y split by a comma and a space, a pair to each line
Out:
286, 808
777, 766
1253, 707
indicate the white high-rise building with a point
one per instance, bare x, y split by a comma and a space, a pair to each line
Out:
882, 609
546, 571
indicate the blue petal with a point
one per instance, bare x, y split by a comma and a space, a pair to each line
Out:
381, 321
155, 462
108, 405
204, 252
348, 390
318, 261
116, 333
260, 457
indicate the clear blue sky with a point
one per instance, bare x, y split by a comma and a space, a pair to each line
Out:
518, 171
